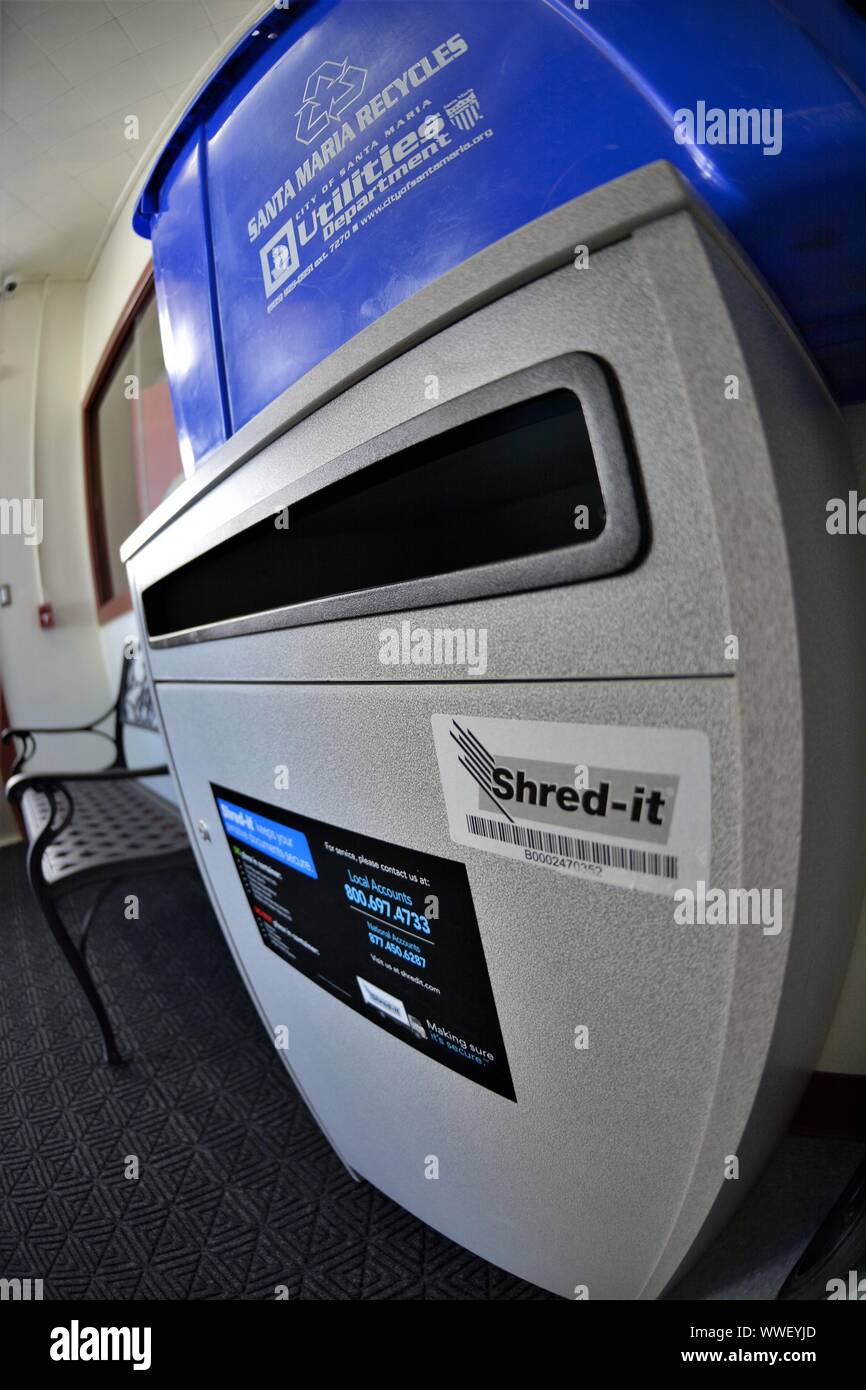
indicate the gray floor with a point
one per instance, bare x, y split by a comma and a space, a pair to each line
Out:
768, 1234
239, 1192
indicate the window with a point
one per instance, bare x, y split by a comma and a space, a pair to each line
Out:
132, 460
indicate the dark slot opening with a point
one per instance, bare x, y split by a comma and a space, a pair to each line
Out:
498, 488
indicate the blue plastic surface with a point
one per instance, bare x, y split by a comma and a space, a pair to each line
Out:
185, 297
441, 126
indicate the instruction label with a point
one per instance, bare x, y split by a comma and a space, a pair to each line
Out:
389, 931
624, 806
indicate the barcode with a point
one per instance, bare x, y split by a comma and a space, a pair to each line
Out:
636, 861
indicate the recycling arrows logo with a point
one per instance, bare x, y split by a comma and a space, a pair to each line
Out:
331, 89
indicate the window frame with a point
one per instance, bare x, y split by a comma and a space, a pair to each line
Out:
108, 604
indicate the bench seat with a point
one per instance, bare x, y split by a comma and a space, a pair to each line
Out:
113, 825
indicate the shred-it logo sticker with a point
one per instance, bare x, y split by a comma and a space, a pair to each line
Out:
629, 807
465, 112
365, 151
330, 91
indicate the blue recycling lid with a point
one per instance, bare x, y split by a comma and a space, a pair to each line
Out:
348, 152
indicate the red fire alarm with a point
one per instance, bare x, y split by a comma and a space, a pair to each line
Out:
46, 615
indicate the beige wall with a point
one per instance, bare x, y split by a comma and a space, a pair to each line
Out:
56, 675
68, 674
124, 258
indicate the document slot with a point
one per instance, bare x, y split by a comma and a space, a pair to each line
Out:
490, 497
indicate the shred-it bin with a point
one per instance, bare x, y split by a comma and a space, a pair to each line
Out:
497, 629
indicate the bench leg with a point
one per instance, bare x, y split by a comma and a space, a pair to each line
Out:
95, 905
110, 1052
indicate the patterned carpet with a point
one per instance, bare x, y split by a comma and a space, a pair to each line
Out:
237, 1193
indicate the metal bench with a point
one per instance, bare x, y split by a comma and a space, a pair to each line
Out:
92, 828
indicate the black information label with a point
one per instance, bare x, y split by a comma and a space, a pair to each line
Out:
389, 931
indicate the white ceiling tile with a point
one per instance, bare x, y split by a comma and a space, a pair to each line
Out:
16, 147
86, 148
22, 11
17, 51
64, 160
179, 92
25, 256
24, 225
85, 225
77, 234
66, 203
67, 256
61, 23
151, 113
180, 60
232, 11
76, 263
127, 82
25, 92
227, 30
59, 118
93, 52
30, 182
123, 7
155, 23
106, 181
10, 206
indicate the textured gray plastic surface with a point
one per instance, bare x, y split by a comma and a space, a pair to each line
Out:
581, 1180
678, 595
609, 1171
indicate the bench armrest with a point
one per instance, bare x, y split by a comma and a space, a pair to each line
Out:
27, 738
9, 734
22, 782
